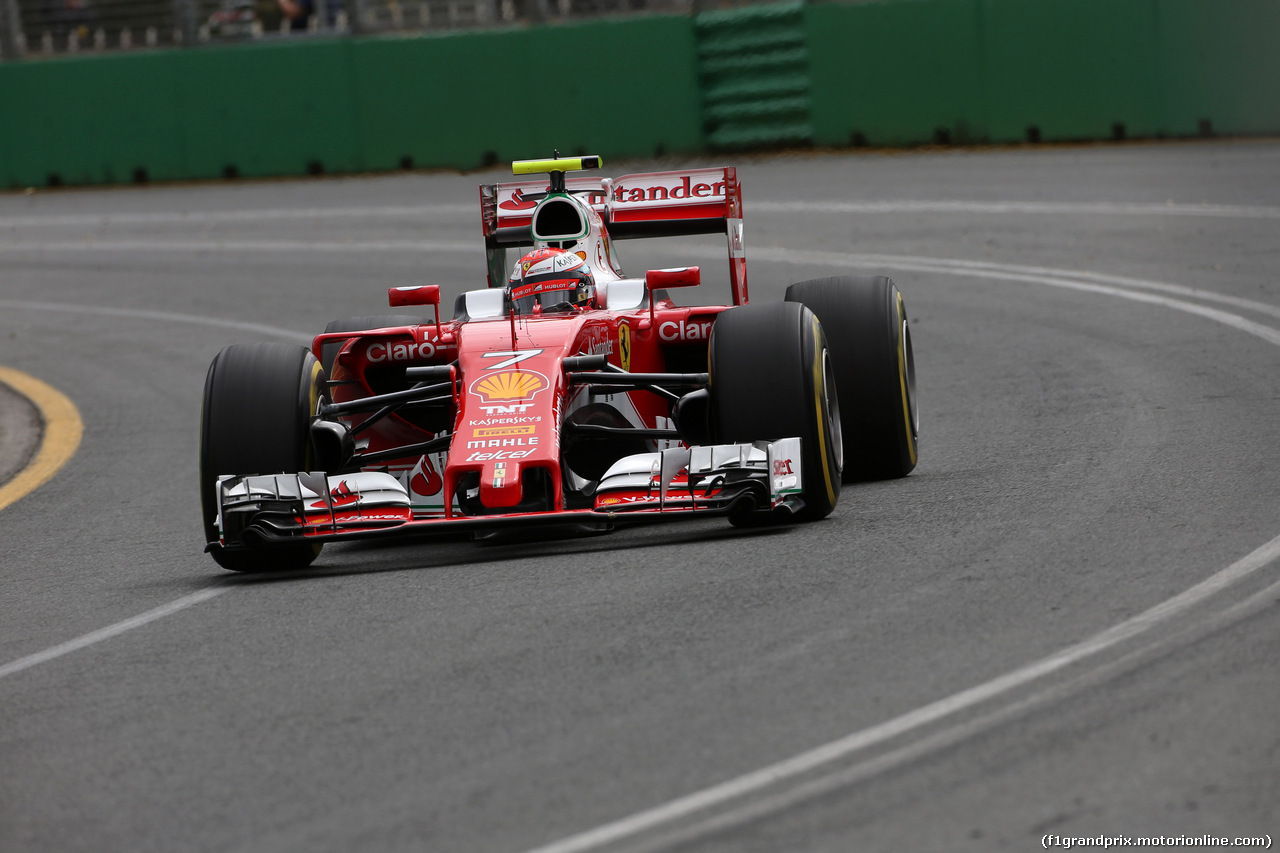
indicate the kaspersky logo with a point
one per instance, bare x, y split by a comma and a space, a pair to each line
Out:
508, 392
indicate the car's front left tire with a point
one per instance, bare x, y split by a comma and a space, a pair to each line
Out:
772, 378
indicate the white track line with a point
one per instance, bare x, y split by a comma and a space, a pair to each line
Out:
837, 750
186, 601
224, 247
799, 792
161, 316
1228, 211
180, 217
110, 631
891, 262
457, 210
1089, 282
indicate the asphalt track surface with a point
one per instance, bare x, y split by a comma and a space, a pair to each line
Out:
1063, 623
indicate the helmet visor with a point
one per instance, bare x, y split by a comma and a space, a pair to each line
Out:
557, 294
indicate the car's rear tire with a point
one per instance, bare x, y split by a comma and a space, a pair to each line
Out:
771, 378
258, 403
865, 319
329, 351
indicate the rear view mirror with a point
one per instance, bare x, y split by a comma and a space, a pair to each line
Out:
622, 295
676, 277
481, 304
422, 294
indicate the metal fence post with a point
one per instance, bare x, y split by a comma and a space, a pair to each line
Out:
355, 16
184, 20
10, 29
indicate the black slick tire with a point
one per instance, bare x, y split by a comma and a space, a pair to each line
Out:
258, 403
771, 378
865, 320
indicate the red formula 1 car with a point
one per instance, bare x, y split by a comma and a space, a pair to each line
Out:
564, 393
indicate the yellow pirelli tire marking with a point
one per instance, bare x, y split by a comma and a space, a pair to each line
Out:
313, 404
902, 378
317, 381
820, 388
62, 431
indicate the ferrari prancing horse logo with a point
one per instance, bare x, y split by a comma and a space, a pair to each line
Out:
624, 346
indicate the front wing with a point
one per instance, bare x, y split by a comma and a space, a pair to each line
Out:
764, 477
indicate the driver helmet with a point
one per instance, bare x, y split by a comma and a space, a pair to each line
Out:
551, 280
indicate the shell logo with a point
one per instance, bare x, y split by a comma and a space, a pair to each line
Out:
509, 385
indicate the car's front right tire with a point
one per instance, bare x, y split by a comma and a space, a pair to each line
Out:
258, 403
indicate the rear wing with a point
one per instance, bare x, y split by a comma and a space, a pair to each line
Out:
648, 204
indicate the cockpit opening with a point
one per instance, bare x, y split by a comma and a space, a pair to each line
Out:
559, 219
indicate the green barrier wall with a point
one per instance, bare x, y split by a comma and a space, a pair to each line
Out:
919, 71
263, 109
895, 72
891, 73
1220, 61
617, 87
69, 118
